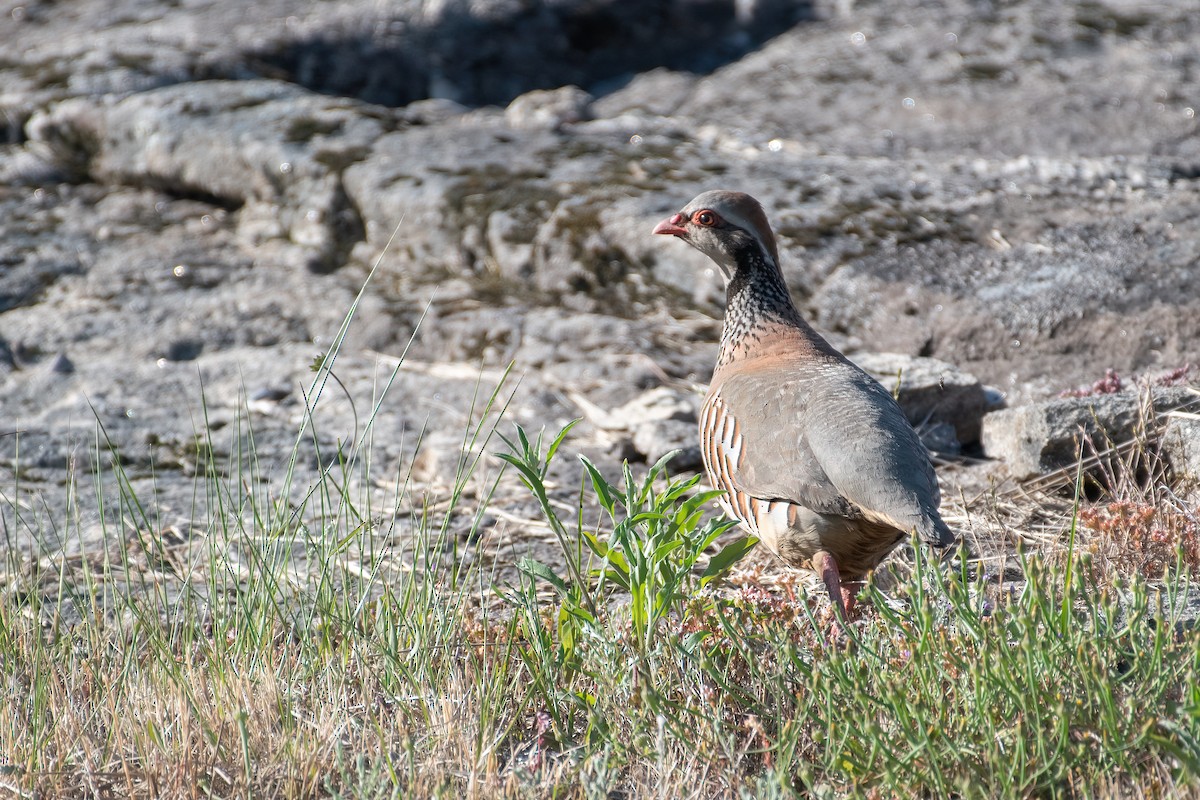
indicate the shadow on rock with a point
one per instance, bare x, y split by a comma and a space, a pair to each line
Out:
490, 55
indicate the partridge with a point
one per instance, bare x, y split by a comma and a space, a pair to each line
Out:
815, 458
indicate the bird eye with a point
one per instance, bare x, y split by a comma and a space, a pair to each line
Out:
705, 218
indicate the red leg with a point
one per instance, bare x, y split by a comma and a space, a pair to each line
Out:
827, 568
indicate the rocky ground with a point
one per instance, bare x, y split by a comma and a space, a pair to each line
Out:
192, 195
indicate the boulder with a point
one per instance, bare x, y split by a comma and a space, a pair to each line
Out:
655, 423
1041, 437
659, 404
549, 109
277, 158
657, 438
1181, 445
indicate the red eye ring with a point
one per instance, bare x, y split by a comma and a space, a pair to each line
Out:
705, 218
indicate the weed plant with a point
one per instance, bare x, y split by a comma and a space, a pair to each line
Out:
953, 686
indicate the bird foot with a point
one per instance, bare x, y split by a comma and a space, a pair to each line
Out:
843, 596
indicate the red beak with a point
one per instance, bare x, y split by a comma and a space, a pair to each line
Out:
671, 226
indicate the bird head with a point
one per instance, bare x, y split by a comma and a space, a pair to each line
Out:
728, 227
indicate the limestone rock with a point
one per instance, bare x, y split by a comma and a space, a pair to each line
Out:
549, 109
278, 156
659, 437
1040, 437
661, 403
1181, 446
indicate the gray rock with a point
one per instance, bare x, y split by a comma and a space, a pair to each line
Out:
930, 392
993, 399
60, 365
549, 109
1041, 437
652, 424
1181, 446
279, 156
22, 283
655, 439
658, 405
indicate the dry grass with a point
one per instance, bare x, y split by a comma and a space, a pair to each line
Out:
137, 677
344, 649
